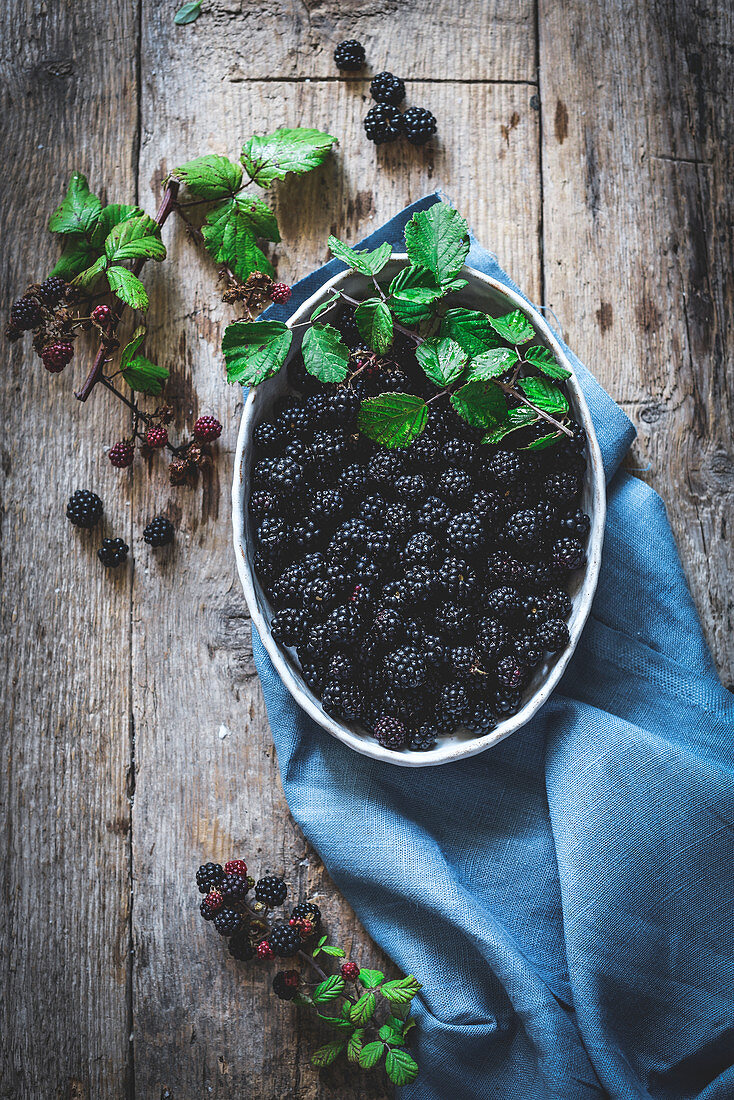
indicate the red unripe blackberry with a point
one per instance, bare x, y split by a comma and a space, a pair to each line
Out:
26, 313
102, 315
213, 902
207, 429
52, 291
156, 436
56, 356
280, 293
350, 971
122, 454
265, 951
236, 867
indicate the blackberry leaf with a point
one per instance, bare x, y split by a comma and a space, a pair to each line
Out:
109, 217
79, 209
375, 324
133, 239
443, 360
367, 263
513, 326
364, 1008
470, 329
400, 1067
210, 177
438, 239
355, 1044
543, 442
412, 292
127, 287
370, 978
143, 376
393, 419
255, 350
544, 395
88, 277
516, 419
231, 230
328, 990
325, 356
330, 301
491, 364
272, 157
544, 360
371, 1054
77, 255
328, 1053
481, 404
187, 13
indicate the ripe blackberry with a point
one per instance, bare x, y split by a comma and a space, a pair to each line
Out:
319, 596
84, 509
209, 876
553, 635
290, 626
365, 570
280, 475
228, 921
420, 549
422, 453
344, 624
26, 313
567, 555
504, 467
58, 355
284, 941
352, 480
412, 489
527, 648
423, 737
511, 673
405, 667
558, 601
432, 649
433, 515
535, 609
536, 574
269, 436
578, 440
461, 658
272, 535
383, 123
454, 701
241, 949
486, 504
122, 454
502, 568
505, 702
524, 528
492, 639
280, 293
459, 452
262, 504
420, 583
343, 700
159, 532
313, 674
328, 447
453, 621
102, 315
349, 55
465, 534
304, 535
284, 988
113, 552
419, 125
362, 597
211, 904
454, 485
306, 910
233, 887
503, 603
388, 626
343, 407
390, 732
379, 545
384, 468
399, 519
52, 291
480, 717
156, 437
271, 891
562, 487
386, 88
575, 523
265, 567
207, 429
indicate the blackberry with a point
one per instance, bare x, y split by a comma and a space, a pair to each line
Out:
575, 523
156, 437
454, 485
362, 597
207, 429
399, 519
511, 673
306, 910
290, 626
419, 125
241, 949
289, 588
459, 452
423, 738
480, 717
269, 436
379, 545
457, 579
383, 123
492, 639
343, 700
557, 601
209, 876
344, 624
528, 648
303, 535
347, 326
52, 291
328, 448
211, 904
294, 421
420, 549
113, 552
553, 635
505, 702
524, 528
465, 533
390, 732
502, 568
159, 532
102, 315
265, 567
319, 596
350, 55
454, 701
405, 667
433, 514
280, 293
535, 610
452, 620
461, 658
385, 468
503, 603
422, 453
420, 583
504, 467
578, 440
353, 480
486, 504
313, 674
284, 941
562, 487
349, 971
536, 574
567, 555
411, 488
297, 450
343, 407
271, 891
271, 536
280, 475
228, 921
387, 628
386, 88
365, 570
394, 594
26, 313
433, 649
84, 509
372, 508
236, 867
233, 887
58, 355
282, 987
326, 504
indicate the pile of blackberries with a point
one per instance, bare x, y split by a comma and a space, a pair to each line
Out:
421, 586
385, 121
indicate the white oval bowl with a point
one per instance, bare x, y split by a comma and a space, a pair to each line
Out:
489, 296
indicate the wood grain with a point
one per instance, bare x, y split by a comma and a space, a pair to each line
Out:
64, 1010
638, 245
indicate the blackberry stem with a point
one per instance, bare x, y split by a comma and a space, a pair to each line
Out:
512, 392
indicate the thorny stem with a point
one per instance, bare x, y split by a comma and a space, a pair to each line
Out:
168, 203
139, 415
512, 392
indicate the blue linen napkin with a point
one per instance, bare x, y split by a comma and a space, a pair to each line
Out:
566, 898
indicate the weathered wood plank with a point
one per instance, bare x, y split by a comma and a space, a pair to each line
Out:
199, 1017
638, 201
66, 101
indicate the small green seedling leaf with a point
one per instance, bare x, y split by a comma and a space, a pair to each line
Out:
393, 419
255, 350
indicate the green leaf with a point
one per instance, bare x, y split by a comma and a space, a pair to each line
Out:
413, 304
470, 329
442, 360
255, 350
330, 301
328, 990
544, 360
393, 419
89, 277
337, 952
109, 217
322, 941
514, 327
143, 376
371, 1054
325, 355
367, 263
402, 990
481, 404
456, 284
363, 1009
328, 1053
390, 1035
374, 322
231, 230
544, 395
127, 287
516, 419
132, 347
273, 156
302, 999
76, 255
400, 1067
491, 364
210, 177
370, 978
79, 209
187, 13
543, 442
438, 239
337, 1022
409, 1023
355, 1044
133, 239
396, 1024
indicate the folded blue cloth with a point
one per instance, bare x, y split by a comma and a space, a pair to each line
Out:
566, 897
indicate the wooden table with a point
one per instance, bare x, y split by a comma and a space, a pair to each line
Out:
589, 145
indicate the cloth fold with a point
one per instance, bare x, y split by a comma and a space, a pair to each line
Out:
565, 898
